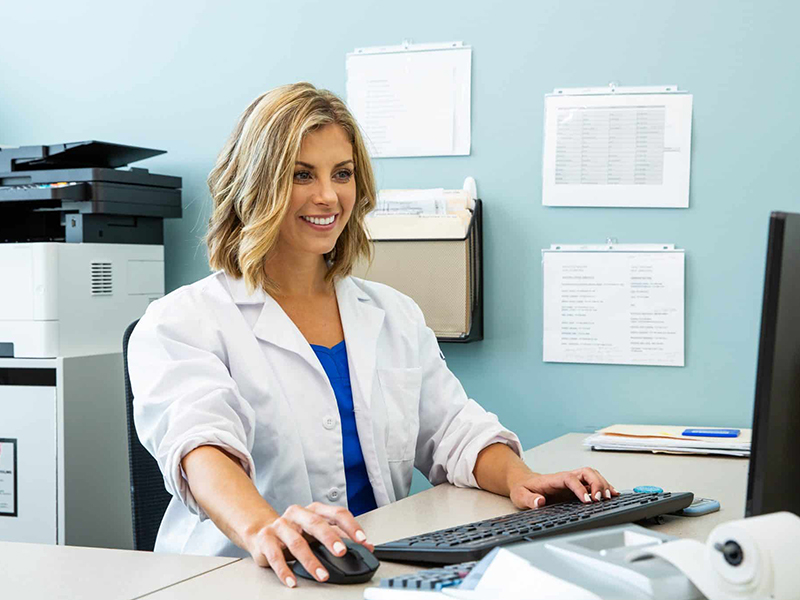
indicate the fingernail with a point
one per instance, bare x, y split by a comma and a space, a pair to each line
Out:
536, 503
338, 547
587, 498
360, 536
291, 582
608, 494
321, 573
597, 496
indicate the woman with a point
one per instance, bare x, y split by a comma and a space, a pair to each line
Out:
279, 391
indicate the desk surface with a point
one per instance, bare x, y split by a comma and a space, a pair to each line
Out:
722, 478
69, 572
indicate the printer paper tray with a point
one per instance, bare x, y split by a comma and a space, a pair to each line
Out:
102, 197
73, 191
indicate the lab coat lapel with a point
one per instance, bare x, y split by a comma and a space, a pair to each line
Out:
274, 326
362, 323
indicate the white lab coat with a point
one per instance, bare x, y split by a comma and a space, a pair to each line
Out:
211, 364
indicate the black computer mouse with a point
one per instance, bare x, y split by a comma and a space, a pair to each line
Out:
356, 566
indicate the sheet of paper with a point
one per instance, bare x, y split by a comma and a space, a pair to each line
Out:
690, 444
411, 202
665, 450
614, 307
617, 150
673, 432
413, 102
8, 477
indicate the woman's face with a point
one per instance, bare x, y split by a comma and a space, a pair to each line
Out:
323, 192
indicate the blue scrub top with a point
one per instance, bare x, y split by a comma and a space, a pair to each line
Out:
360, 498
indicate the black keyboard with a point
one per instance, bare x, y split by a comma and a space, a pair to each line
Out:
474, 540
432, 580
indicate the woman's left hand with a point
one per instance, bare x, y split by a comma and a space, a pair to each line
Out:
533, 490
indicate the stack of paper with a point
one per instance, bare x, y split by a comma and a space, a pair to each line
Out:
668, 439
420, 214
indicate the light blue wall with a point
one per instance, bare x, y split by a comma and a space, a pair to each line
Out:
176, 76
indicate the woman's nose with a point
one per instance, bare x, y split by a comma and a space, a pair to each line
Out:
326, 194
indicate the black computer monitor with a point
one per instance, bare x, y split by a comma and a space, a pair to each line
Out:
774, 480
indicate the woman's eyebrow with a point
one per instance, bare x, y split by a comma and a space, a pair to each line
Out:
310, 166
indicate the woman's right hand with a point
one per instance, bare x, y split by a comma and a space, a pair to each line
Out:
287, 534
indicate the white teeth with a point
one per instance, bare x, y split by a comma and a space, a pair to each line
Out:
318, 221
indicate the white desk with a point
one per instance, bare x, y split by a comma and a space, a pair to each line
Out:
40, 571
722, 478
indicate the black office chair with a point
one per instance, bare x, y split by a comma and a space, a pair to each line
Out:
149, 497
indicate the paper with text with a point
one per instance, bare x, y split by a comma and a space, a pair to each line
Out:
412, 103
410, 202
614, 307
630, 150
8, 477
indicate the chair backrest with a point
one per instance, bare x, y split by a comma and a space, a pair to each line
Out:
149, 497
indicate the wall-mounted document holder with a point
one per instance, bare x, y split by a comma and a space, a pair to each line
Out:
436, 259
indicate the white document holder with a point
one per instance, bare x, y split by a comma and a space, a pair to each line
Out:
430, 259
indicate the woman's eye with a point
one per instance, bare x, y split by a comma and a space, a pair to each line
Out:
302, 176
344, 174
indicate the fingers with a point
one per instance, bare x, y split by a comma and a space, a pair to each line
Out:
574, 484
288, 532
297, 545
344, 519
341, 532
598, 487
271, 554
524, 498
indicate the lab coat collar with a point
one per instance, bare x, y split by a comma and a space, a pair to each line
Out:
361, 321
238, 291
273, 325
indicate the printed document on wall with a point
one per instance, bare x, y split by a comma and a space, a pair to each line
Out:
412, 100
614, 306
621, 149
8, 477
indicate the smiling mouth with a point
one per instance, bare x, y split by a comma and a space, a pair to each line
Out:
320, 221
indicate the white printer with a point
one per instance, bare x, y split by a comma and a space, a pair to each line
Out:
74, 299
81, 257
81, 246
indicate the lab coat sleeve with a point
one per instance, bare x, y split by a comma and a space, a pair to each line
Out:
453, 428
184, 396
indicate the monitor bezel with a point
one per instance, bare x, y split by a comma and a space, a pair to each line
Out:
766, 362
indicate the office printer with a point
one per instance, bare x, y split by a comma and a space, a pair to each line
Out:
81, 245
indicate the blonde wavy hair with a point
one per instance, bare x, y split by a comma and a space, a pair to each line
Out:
251, 184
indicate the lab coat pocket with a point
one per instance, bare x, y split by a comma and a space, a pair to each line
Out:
401, 390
